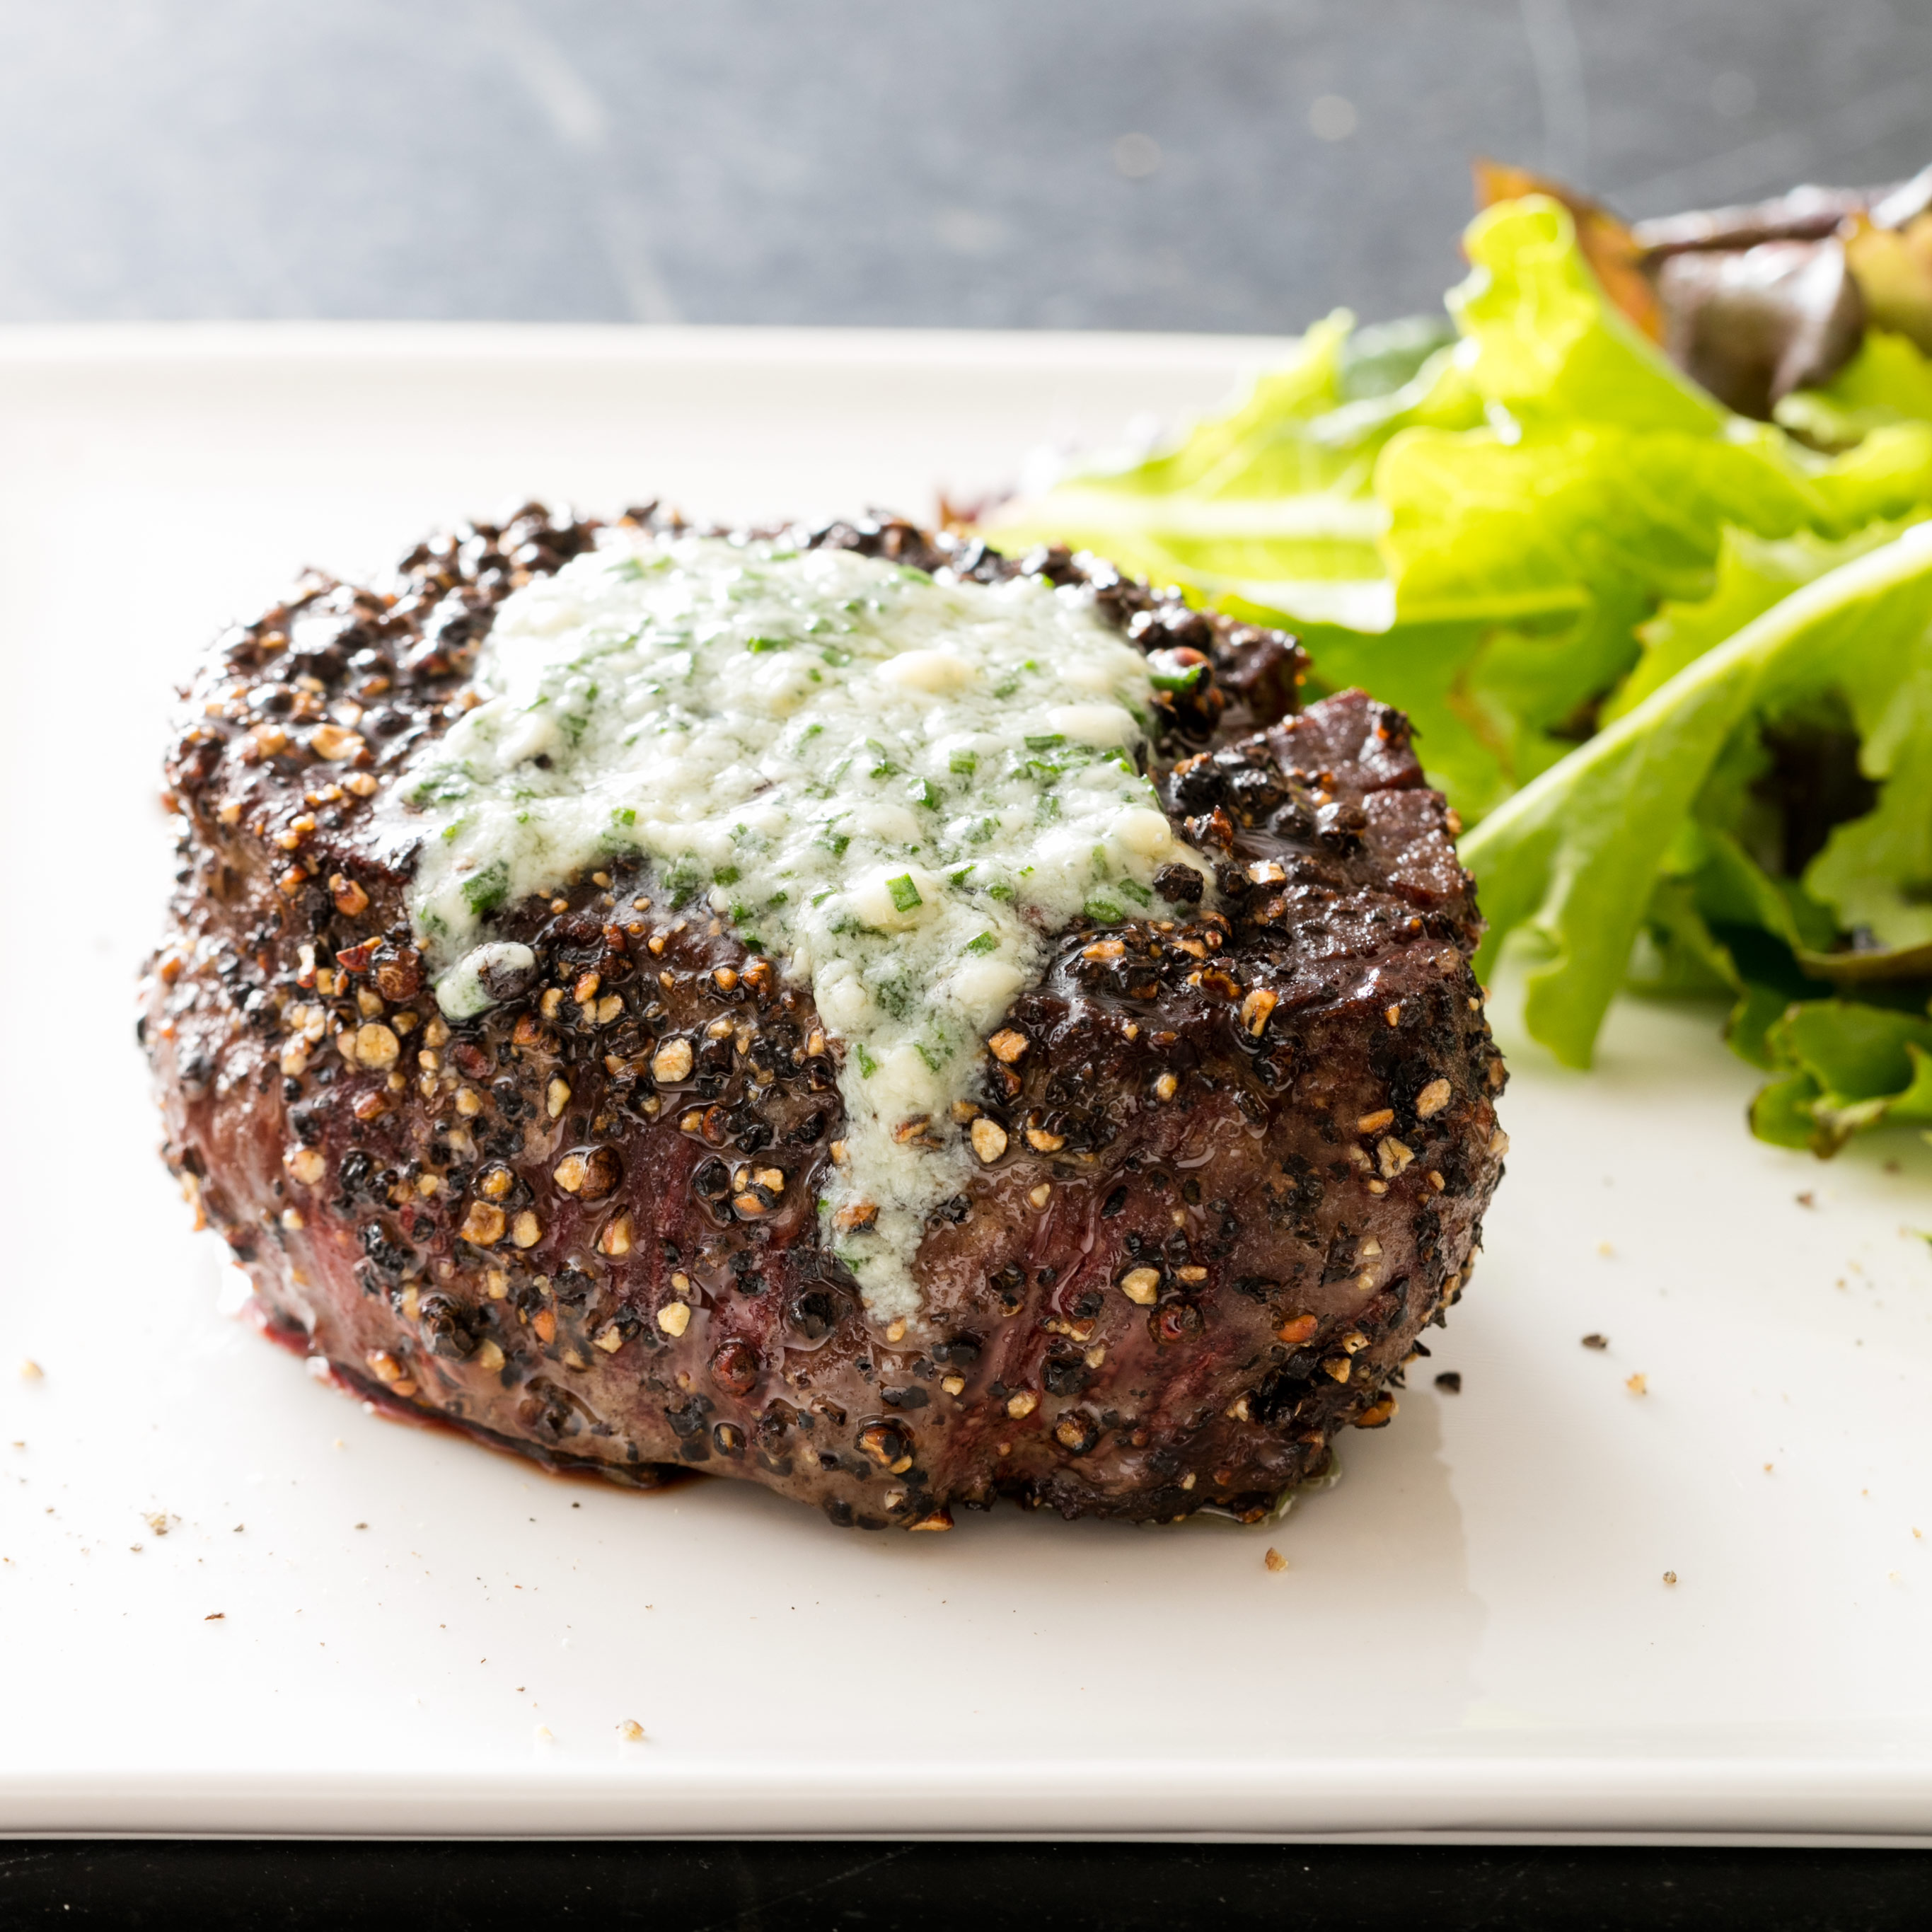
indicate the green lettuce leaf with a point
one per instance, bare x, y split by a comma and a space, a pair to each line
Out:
1725, 917
1851, 1066
1270, 508
1888, 381
1476, 534
1752, 575
1875, 872
1570, 863
1603, 483
1672, 665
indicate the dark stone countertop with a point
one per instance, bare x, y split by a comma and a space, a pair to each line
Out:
1175, 164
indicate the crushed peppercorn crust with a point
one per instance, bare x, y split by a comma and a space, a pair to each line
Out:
1229, 1162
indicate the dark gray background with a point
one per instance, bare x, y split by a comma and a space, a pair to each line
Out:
884, 161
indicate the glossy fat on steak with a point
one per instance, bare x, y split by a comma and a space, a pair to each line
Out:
1230, 1162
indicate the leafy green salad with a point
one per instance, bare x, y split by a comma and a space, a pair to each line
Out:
1672, 666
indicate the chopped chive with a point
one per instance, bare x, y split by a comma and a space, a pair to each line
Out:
683, 879
905, 894
985, 942
488, 890
1171, 671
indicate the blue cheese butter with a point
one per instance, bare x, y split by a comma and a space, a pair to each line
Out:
898, 786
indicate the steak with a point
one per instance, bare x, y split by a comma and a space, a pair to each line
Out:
1231, 1161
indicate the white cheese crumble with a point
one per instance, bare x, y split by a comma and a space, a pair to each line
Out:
897, 786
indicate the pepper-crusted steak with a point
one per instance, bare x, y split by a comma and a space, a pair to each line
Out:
1230, 1161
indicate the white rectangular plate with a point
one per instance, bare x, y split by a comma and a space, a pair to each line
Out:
349, 1626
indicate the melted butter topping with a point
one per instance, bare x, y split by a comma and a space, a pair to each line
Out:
898, 786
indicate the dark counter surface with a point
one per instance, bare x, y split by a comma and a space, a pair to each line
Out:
894, 1887
1236, 165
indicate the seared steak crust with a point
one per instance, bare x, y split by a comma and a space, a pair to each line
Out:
1231, 1162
